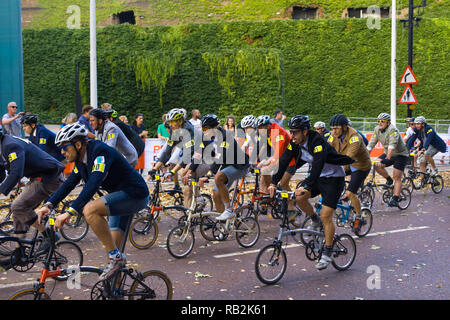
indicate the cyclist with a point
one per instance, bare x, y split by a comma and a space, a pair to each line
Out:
24, 159
98, 165
247, 123
326, 177
430, 144
347, 141
111, 134
272, 141
229, 162
320, 127
131, 135
178, 150
40, 135
395, 153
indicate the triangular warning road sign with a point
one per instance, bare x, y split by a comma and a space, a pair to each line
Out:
408, 97
408, 77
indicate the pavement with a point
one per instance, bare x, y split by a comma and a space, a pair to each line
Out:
404, 257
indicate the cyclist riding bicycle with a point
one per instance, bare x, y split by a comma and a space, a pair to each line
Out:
24, 159
347, 141
40, 136
111, 134
100, 166
326, 177
179, 148
430, 144
320, 127
272, 141
229, 162
247, 123
395, 153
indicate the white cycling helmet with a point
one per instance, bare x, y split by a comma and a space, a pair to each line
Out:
70, 132
420, 119
175, 114
248, 121
384, 116
261, 120
319, 125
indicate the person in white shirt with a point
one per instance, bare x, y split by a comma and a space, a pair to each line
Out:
195, 120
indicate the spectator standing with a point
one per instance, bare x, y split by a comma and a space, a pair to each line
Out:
141, 130
279, 118
124, 119
162, 131
11, 120
195, 120
230, 124
84, 119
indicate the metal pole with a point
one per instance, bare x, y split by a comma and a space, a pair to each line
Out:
393, 63
93, 54
410, 43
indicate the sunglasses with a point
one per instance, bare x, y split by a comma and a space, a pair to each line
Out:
15, 107
171, 122
64, 147
382, 121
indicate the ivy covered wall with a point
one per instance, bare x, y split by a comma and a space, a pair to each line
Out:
317, 67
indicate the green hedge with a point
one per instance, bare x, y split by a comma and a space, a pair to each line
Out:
318, 67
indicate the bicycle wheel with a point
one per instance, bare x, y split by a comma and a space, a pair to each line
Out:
207, 228
7, 247
419, 180
144, 233
67, 253
299, 218
151, 285
366, 222
29, 294
180, 241
5, 212
247, 232
408, 183
344, 252
270, 264
437, 184
75, 229
6, 228
404, 200
305, 238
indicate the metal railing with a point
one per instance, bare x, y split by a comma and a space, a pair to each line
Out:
368, 124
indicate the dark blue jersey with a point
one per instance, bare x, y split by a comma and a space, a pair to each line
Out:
45, 140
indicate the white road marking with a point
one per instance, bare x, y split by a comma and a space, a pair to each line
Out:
301, 245
17, 284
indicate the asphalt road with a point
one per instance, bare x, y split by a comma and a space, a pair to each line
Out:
407, 251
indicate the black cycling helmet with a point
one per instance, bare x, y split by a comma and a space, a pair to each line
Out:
29, 118
210, 121
338, 120
98, 113
299, 122
108, 113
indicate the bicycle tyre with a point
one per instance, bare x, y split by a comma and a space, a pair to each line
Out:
408, 183
437, 188
247, 228
274, 255
144, 233
305, 238
166, 285
5, 212
340, 243
367, 216
78, 224
365, 198
172, 241
6, 228
404, 199
29, 294
61, 258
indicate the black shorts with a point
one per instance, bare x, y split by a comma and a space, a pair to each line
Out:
357, 179
399, 162
330, 189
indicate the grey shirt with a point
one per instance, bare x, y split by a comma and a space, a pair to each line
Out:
115, 138
14, 128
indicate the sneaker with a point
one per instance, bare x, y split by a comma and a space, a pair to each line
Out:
324, 262
46, 242
356, 224
113, 265
227, 214
393, 203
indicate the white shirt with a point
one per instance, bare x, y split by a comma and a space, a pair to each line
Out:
196, 123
